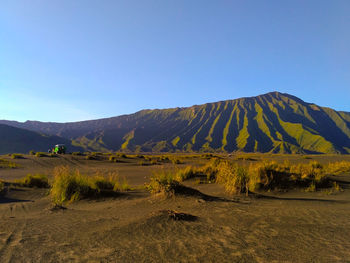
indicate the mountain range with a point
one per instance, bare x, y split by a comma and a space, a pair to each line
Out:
274, 122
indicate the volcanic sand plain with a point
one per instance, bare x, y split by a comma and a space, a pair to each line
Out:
293, 226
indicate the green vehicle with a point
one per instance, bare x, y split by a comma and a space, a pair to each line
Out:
59, 149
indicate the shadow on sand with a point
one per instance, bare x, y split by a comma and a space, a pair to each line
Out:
6, 200
262, 196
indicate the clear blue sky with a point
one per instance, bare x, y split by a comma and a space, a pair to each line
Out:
70, 60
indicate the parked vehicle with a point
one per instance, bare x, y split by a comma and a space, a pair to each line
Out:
59, 149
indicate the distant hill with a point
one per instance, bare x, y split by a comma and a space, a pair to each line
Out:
16, 140
273, 122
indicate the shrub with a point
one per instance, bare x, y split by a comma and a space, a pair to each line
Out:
113, 159
91, 157
31, 152
121, 155
105, 183
17, 156
164, 158
36, 180
268, 176
338, 167
234, 178
336, 187
307, 157
123, 186
207, 156
176, 161
186, 173
41, 154
69, 186
7, 164
211, 169
143, 163
311, 188
305, 174
153, 162
162, 182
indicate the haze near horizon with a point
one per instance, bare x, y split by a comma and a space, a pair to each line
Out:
70, 61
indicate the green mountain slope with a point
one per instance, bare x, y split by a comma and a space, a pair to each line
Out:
273, 122
16, 140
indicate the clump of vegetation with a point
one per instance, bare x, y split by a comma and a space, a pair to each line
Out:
337, 168
41, 154
77, 153
163, 158
246, 157
235, 178
187, 173
91, 157
154, 162
113, 159
121, 155
31, 152
208, 156
7, 164
36, 180
307, 157
163, 183
176, 161
143, 163
17, 156
2, 185
69, 185
336, 187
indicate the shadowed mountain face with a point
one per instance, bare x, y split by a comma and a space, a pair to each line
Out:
17, 140
273, 122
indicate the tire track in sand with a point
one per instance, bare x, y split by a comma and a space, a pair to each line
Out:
10, 243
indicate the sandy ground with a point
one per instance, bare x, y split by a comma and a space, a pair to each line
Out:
136, 227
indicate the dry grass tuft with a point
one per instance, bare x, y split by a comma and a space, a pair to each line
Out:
69, 185
35, 180
17, 156
7, 164
163, 183
2, 185
235, 178
338, 167
113, 159
41, 154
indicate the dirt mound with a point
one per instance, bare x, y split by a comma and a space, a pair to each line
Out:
175, 215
